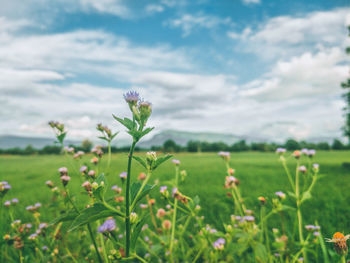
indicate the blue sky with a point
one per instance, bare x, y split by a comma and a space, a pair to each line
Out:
268, 69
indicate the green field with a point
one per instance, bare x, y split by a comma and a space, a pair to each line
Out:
261, 174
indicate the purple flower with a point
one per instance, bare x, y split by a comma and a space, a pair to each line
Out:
249, 218
174, 191
37, 205
132, 97
63, 170
302, 169
33, 236
43, 225
28, 225
219, 244
176, 162
83, 169
44, 248
163, 189
311, 152
281, 194
304, 151
7, 203
14, 201
224, 155
280, 150
123, 175
316, 233
107, 226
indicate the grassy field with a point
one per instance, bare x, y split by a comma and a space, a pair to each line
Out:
260, 174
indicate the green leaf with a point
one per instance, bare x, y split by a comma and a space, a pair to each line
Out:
146, 131
291, 194
287, 207
136, 232
260, 253
101, 178
140, 161
135, 188
115, 134
306, 195
93, 213
71, 215
61, 137
161, 160
126, 122
103, 138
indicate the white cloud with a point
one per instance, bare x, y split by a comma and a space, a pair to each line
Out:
284, 36
152, 8
114, 7
188, 22
247, 2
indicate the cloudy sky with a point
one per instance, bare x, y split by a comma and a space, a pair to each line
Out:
263, 68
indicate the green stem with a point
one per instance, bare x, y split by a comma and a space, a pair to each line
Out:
140, 190
103, 245
343, 260
109, 156
198, 255
172, 239
94, 242
140, 258
88, 225
288, 173
127, 201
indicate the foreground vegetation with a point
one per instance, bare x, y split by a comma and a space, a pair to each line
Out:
197, 208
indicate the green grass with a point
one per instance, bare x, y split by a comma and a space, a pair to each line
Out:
261, 174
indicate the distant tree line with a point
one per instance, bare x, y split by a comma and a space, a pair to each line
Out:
192, 146
242, 145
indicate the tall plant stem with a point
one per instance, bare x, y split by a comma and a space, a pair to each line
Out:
300, 222
127, 201
88, 225
109, 156
172, 239
288, 173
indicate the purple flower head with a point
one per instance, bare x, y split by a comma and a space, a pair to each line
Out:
30, 208
33, 236
83, 169
14, 201
280, 150
174, 191
132, 97
63, 170
301, 259
224, 154
43, 225
249, 218
7, 203
277, 255
65, 179
304, 151
107, 226
219, 244
163, 189
311, 152
91, 173
302, 169
123, 175
316, 233
44, 248
37, 205
281, 194
28, 225
176, 162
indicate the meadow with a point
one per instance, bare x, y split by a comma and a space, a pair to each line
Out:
260, 174
156, 207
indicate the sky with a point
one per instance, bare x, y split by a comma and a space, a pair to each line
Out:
260, 68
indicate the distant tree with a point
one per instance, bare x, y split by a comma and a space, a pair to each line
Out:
337, 145
29, 150
261, 147
86, 145
323, 146
240, 146
170, 146
50, 150
292, 145
346, 85
193, 146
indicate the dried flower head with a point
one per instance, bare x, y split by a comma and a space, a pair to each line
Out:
339, 241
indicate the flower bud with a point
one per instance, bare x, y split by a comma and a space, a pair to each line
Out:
166, 224
133, 217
